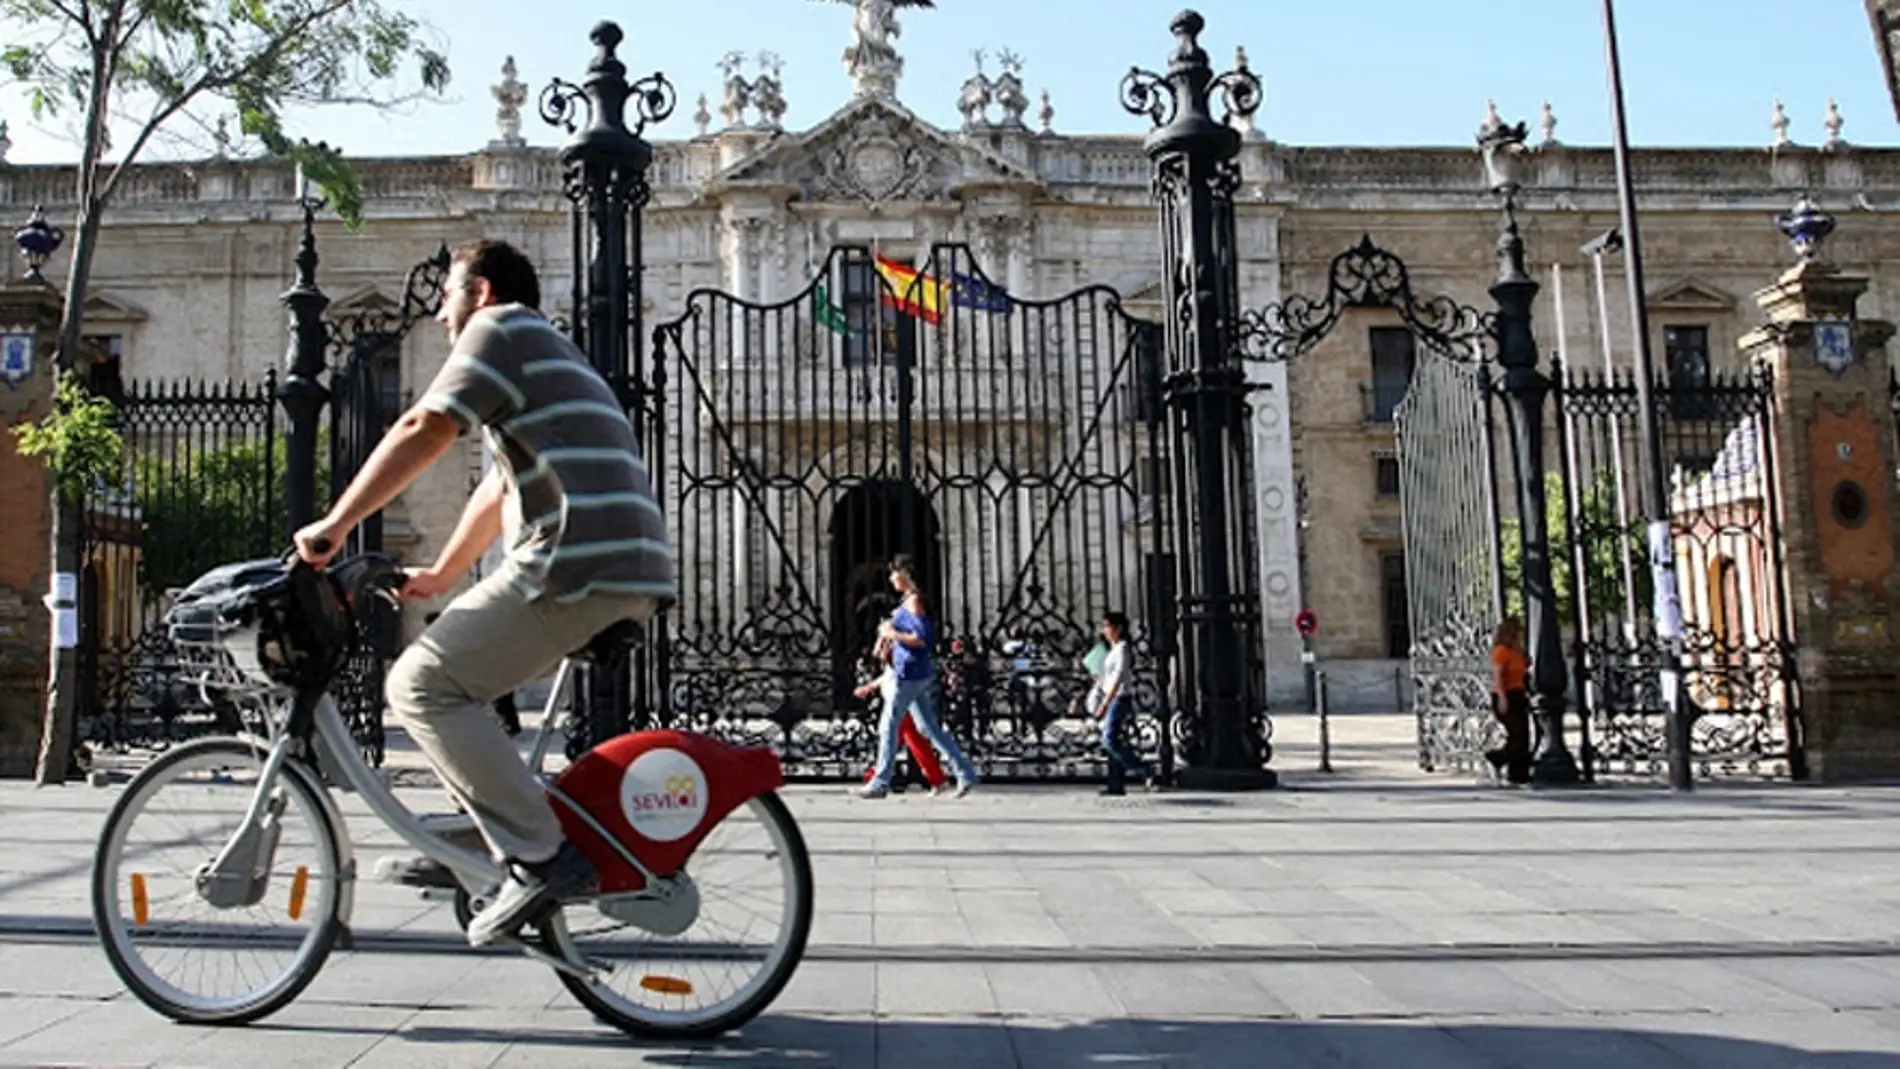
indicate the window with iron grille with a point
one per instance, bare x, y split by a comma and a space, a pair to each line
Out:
1394, 354
1149, 373
105, 376
860, 310
1686, 352
1385, 476
1151, 488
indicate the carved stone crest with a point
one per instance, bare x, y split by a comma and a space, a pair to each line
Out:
875, 161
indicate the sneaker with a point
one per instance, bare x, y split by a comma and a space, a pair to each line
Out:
872, 790
963, 789
530, 890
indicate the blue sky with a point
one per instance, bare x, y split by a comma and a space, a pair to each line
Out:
1364, 72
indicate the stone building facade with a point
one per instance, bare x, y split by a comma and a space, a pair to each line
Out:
196, 254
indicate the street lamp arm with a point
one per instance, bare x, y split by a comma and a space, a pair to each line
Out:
1147, 93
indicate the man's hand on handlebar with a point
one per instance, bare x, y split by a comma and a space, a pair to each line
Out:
319, 542
426, 583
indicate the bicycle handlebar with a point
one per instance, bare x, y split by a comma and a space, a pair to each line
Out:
362, 572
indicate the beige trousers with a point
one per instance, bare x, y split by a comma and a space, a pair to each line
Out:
489, 641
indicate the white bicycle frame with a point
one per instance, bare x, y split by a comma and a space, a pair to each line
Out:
337, 754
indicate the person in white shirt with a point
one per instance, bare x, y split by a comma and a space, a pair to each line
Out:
1111, 703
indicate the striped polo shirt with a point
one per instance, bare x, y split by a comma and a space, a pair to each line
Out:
580, 517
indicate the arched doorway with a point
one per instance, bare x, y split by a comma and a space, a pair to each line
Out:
873, 522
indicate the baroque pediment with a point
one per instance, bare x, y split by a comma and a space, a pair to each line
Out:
874, 151
1692, 295
103, 307
367, 299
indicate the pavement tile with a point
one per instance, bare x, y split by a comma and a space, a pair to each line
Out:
1379, 920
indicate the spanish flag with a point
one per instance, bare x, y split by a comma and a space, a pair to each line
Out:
912, 291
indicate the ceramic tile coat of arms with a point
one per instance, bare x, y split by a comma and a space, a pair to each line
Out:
16, 355
1834, 345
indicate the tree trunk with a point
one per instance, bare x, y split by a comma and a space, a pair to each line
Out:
68, 515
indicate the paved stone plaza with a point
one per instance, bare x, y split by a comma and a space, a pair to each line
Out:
1375, 918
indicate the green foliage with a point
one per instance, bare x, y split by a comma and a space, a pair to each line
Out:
165, 66
209, 507
79, 439
1603, 560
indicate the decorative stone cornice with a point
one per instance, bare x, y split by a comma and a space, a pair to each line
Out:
1084, 169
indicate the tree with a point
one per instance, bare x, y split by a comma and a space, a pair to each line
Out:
210, 507
83, 447
1604, 563
157, 67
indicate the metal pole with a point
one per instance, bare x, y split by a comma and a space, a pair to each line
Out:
1322, 701
1608, 242
303, 394
1668, 603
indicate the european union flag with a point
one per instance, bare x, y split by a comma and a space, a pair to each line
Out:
968, 291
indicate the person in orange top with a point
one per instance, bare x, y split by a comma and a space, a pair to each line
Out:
1510, 695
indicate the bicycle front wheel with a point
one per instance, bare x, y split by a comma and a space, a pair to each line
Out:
753, 877
202, 950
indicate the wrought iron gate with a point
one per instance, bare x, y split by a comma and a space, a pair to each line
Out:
1453, 571
366, 396
1738, 670
1009, 446
1451, 519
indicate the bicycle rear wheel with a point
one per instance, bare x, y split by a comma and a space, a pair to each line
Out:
753, 876
180, 954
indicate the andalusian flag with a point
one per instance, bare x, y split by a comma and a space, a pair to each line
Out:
829, 315
912, 291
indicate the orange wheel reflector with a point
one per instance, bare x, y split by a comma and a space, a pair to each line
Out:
141, 906
666, 985
299, 884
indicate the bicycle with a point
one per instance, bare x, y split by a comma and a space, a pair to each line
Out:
642, 806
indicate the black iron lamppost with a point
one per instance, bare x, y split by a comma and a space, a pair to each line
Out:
1526, 388
37, 241
605, 177
1223, 699
303, 394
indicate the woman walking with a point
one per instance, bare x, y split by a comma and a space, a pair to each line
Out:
912, 636
922, 755
1510, 672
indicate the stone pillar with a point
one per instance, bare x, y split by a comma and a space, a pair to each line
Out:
1833, 461
28, 310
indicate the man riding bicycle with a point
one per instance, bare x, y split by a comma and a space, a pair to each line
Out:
587, 548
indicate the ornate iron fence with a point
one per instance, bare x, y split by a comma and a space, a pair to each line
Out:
1010, 446
202, 485
1738, 668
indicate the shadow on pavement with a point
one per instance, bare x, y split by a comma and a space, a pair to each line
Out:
786, 1041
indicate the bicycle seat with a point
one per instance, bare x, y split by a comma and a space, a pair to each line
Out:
611, 641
